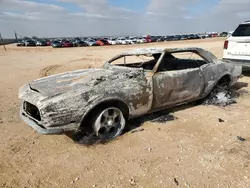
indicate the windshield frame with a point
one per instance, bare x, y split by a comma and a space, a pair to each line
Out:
109, 64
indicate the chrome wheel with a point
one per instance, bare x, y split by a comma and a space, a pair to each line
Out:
109, 124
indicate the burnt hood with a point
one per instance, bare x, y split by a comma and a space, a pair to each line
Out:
86, 78
61, 83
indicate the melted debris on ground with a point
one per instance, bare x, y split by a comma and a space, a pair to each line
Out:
221, 97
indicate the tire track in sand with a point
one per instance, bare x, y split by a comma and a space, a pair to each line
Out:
54, 69
46, 71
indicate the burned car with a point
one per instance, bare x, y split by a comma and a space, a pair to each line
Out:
132, 84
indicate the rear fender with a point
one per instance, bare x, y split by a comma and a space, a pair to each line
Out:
212, 74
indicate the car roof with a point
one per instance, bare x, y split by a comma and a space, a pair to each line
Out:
145, 51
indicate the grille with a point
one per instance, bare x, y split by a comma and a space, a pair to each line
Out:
31, 110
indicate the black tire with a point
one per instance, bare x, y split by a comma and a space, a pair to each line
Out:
89, 128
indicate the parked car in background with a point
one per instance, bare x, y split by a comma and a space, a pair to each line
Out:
237, 46
122, 40
79, 43
154, 39
202, 36
112, 41
171, 38
41, 42
147, 38
132, 40
49, 42
223, 34
161, 38
102, 42
214, 35
183, 37
140, 40
91, 42
193, 36
56, 44
21, 43
178, 37
66, 43
30, 42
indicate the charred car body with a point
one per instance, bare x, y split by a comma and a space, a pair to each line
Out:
102, 99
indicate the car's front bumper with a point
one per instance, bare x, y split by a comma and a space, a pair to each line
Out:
244, 63
35, 124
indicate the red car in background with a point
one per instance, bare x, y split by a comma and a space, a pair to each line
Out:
67, 43
49, 42
214, 35
148, 38
102, 42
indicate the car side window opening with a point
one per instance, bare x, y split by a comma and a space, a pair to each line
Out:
146, 62
180, 61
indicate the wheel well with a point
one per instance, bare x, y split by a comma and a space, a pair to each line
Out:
115, 103
224, 81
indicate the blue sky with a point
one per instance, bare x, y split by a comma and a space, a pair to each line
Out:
202, 6
120, 17
69, 6
135, 5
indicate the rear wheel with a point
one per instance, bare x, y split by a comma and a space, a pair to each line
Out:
222, 87
224, 82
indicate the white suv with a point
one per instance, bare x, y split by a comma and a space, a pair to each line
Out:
237, 46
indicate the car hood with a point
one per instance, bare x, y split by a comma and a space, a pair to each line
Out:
84, 79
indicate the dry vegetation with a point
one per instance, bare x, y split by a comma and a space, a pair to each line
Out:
195, 150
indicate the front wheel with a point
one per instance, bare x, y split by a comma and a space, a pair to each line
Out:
108, 123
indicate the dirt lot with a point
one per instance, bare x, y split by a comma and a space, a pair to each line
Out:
195, 150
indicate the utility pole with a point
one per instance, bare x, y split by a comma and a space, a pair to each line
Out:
2, 42
15, 35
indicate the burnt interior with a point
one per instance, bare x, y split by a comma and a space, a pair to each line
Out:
179, 64
32, 110
169, 63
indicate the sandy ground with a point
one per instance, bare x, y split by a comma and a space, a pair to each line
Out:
195, 150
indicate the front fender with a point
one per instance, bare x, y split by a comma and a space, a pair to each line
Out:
99, 100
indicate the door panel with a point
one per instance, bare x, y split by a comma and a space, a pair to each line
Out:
173, 87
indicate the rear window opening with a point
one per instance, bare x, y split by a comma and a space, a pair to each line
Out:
242, 31
181, 61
